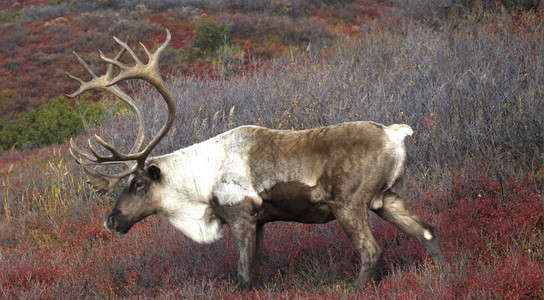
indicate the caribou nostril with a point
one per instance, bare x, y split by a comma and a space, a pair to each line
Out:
110, 222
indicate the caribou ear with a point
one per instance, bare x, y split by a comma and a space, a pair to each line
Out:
154, 172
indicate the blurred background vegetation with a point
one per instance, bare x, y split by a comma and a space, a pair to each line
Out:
212, 38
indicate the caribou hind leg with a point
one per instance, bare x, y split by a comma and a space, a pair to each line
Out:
395, 211
354, 221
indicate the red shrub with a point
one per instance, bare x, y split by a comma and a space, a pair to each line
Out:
485, 225
513, 277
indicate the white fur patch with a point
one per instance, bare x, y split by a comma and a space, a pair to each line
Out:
400, 130
232, 188
427, 235
194, 219
397, 133
376, 203
188, 178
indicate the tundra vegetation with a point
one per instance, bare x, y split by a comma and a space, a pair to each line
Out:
468, 81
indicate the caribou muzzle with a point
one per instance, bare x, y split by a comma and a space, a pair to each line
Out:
117, 224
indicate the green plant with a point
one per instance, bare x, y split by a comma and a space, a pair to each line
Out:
51, 123
91, 112
10, 127
9, 16
190, 54
211, 35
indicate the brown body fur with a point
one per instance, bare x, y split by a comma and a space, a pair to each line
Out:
350, 166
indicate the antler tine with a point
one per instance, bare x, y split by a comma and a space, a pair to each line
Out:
102, 183
80, 153
115, 156
148, 72
84, 86
84, 158
141, 132
102, 83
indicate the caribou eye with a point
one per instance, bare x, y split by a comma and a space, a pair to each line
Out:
138, 185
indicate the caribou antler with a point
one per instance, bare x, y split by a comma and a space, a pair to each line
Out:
149, 72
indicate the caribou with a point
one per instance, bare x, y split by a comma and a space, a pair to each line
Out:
250, 175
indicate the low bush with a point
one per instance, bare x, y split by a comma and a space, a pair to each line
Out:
210, 35
9, 16
44, 12
289, 31
51, 123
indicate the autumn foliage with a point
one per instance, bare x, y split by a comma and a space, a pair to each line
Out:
470, 84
